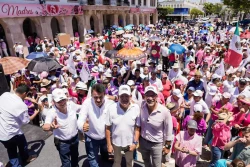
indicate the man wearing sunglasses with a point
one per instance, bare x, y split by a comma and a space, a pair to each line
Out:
62, 120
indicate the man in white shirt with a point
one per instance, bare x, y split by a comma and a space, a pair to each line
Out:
14, 114
122, 126
174, 73
156, 81
94, 110
62, 120
198, 94
165, 53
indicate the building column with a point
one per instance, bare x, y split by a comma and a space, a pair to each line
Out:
155, 17
15, 33
131, 21
68, 25
137, 19
124, 19
115, 19
45, 24
81, 27
99, 22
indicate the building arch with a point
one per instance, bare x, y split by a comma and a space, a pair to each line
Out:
128, 19
94, 24
121, 20
29, 27
55, 26
75, 27
3, 35
134, 19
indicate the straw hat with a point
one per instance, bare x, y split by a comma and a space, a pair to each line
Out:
45, 82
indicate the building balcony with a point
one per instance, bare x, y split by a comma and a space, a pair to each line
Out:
106, 2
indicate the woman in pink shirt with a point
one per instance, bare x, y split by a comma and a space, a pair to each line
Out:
199, 55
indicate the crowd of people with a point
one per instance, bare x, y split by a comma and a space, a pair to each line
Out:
166, 105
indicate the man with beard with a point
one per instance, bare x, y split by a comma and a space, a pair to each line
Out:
94, 110
123, 123
196, 82
241, 89
156, 129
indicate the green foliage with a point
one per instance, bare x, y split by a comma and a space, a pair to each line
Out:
217, 9
164, 11
238, 5
195, 12
208, 8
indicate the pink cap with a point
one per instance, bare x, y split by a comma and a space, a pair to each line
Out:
43, 90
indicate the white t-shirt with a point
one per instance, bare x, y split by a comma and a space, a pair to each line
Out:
67, 122
96, 117
158, 83
205, 108
123, 123
13, 114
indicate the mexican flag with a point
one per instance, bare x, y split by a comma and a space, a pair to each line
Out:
234, 55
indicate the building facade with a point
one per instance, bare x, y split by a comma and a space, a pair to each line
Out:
182, 8
22, 18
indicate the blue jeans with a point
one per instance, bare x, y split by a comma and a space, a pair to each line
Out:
92, 149
217, 153
156, 60
11, 146
209, 133
68, 151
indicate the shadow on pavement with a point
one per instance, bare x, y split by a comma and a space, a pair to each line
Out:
110, 163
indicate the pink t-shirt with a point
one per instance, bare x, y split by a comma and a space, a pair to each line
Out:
193, 143
218, 106
199, 56
77, 44
221, 135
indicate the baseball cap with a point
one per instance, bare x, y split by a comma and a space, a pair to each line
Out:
43, 98
58, 94
81, 86
151, 88
192, 124
177, 93
198, 93
164, 75
64, 84
159, 67
191, 88
213, 90
226, 95
197, 107
131, 83
43, 90
214, 76
124, 89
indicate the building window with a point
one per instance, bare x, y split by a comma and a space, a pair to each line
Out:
133, 2
106, 2
145, 2
91, 2
139, 2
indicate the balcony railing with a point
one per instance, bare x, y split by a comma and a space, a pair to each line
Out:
106, 2
91, 2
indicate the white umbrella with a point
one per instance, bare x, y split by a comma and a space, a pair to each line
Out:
128, 35
119, 32
150, 25
233, 29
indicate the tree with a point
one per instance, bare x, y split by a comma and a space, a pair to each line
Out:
208, 8
217, 9
196, 12
164, 11
238, 5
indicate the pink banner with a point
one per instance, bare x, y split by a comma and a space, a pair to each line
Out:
32, 10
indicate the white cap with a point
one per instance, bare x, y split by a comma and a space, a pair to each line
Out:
43, 97
95, 69
81, 86
197, 107
64, 84
212, 90
53, 78
65, 90
159, 67
58, 94
226, 95
108, 75
177, 93
138, 62
215, 76
130, 83
124, 89
151, 88
198, 93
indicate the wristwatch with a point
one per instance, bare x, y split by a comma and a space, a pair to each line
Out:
135, 143
168, 146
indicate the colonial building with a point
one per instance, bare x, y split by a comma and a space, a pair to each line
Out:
22, 18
